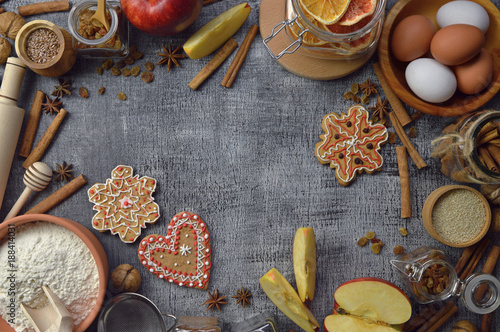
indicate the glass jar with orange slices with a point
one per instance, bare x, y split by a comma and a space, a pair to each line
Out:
331, 29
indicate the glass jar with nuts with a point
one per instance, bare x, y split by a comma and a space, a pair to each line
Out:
430, 277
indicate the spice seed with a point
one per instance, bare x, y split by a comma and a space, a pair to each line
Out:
42, 45
122, 96
458, 216
147, 77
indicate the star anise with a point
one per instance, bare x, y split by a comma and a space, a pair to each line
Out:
63, 88
51, 106
380, 111
170, 57
215, 300
63, 172
368, 87
243, 297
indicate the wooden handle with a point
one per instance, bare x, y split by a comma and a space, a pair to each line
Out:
19, 203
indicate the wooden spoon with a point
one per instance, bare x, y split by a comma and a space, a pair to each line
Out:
36, 178
54, 317
100, 14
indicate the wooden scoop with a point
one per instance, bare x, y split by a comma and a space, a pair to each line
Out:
36, 178
54, 317
100, 14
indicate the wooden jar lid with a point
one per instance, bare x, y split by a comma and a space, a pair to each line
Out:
61, 63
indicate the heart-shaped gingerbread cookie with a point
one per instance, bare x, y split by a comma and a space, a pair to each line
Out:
183, 256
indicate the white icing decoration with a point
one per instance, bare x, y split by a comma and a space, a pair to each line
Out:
161, 256
175, 264
184, 249
126, 203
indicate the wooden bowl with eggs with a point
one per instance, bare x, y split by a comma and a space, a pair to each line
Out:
394, 70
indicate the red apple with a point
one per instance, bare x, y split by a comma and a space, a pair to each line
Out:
161, 17
368, 304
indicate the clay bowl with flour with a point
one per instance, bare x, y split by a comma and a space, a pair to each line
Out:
88, 239
445, 217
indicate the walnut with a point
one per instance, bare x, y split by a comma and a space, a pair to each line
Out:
125, 278
5, 50
10, 24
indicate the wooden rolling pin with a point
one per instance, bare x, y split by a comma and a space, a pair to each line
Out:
11, 118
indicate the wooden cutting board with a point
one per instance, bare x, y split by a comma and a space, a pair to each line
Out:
271, 13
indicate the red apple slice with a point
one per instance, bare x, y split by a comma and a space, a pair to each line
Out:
347, 323
374, 300
304, 262
282, 294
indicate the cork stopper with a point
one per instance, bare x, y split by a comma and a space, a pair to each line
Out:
12, 78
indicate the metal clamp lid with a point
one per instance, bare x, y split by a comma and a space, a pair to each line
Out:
482, 293
280, 26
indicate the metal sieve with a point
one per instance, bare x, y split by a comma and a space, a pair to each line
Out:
132, 312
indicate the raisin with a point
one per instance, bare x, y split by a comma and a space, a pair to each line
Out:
398, 250
122, 96
363, 241
101, 90
83, 92
147, 77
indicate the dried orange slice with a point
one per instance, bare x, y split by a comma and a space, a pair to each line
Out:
326, 11
357, 10
309, 38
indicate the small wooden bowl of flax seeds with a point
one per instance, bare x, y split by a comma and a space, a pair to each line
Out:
46, 48
456, 215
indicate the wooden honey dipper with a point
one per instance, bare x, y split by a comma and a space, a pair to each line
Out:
36, 178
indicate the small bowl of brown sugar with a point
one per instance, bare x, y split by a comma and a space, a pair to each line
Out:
456, 215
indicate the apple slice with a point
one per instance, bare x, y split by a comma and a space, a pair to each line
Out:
369, 304
216, 32
282, 294
304, 262
347, 323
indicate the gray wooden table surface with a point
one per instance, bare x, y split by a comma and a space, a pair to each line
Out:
243, 159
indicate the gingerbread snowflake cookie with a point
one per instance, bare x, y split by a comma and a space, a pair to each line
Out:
351, 144
183, 256
124, 204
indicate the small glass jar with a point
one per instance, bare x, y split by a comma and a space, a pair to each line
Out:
263, 322
112, 44
335, 42
467, 148
430, 277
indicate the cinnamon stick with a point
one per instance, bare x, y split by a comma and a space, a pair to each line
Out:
488, 267
486, 322
439, 318
415, 156
44, 142
43, 7
488, 159
60, 195
421, 318
31, 124
240, 56
404, 179
467, 253
494, 152
396, 104
443, 319
490, 135
476, 257
210, 67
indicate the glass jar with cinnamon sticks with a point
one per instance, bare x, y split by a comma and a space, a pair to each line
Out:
430, 277
469, 150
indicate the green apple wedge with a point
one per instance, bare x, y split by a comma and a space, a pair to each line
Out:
304, 262
216, 32
282, 294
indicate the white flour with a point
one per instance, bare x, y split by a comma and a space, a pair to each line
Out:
47, 254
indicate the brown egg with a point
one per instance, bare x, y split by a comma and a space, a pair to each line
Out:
412, 38
456, 44
476, 74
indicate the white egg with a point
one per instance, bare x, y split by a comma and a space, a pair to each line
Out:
463, 12
430, 80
